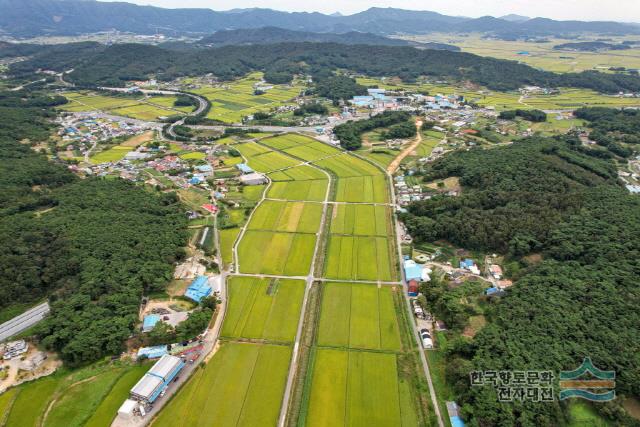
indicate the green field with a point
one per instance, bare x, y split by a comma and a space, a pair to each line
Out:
298, 190
299, 173
242, 385
192, 155
360, 258
137, 108
356, 388
267, 252
112, 154
289, 217
87, 397
227, 239
262, 159
357, 180
263, 308
230, 102
357, 315
360, 220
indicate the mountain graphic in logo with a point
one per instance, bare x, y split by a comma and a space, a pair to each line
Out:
588, 382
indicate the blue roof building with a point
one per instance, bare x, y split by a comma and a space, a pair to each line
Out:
154, 352
195, 181
149, 322
198, 289
412, 271
244, 168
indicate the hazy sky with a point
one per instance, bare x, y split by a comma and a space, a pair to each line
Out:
618, 10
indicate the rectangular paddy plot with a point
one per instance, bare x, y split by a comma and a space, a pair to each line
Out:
299, 183
289, 217
358, 315
268, 252
263, 308
361, 220
358, 181
355, 388
289, 140
242, 385
368, 258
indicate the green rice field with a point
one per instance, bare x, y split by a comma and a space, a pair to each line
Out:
361, 220
298, 190
366, 258
87, 397
140, 108
113, 154
268, 252
263, 308
289, 217
230, 102
242, 385
356, 315
298, 173
358, 389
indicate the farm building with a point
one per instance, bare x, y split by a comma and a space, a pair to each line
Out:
412, 271
149, 322
157, 379
413, 288
198, 289
152, 352
244, 168
253, 179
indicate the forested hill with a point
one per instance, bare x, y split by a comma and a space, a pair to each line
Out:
96, 64
92, 246
551, 199
272, 35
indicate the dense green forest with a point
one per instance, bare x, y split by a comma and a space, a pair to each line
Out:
112, 65
545, 197
611, 127
350, 133
537, 116
92, 246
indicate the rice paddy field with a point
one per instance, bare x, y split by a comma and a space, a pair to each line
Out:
242, 385
357, 180
263, 308
542, 55
358, 316
87, 397
291, 217
368, 258
231, 101
361, 220
268, 252
357, 388
141, 108
264, 160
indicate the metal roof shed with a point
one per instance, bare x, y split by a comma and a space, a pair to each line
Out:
147, 388
166, 367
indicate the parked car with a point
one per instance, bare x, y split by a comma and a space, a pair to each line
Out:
426, 341
425, 332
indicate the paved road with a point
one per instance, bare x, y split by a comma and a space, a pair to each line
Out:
24, 321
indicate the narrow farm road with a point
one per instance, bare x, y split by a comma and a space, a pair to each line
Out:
395, 164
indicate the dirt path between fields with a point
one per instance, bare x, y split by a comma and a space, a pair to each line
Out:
395, 164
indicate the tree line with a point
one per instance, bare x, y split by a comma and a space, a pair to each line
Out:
93, 247
578, 298
95, 64
350, 133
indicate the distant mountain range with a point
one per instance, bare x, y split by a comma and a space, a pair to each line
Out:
270, 35
27, 18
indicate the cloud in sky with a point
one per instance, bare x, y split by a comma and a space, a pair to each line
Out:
616, 10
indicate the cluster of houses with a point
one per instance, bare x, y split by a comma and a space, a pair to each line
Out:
408, 193
470, 265
381, 99
415, 273
14, 349
81, 130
